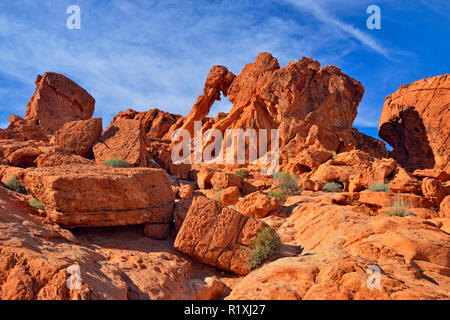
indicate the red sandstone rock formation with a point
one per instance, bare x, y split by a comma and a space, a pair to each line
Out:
124, 139
218, 81
156, 123
312, 107
339, 243
87, 195
23, 130
79, 136
329, 239
58, 100
217, 235
257, 204
356, 170
415, 122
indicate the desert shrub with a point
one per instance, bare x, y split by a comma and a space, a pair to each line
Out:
264, 245
36, 204
14, 185
290, 155
333, 187
288, 182
117, 163
400, 208
278, 194
241, 173
380, 187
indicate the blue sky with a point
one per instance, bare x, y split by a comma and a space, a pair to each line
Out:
143, 54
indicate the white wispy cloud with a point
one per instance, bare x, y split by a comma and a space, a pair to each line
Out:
314, 7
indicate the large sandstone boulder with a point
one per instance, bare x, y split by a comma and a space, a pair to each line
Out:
223, 180
403, 182
58, 100
229, 196
311, 106
124, 139
90, 195
441, 175
293, 97
415, 123
78, 136
217, 235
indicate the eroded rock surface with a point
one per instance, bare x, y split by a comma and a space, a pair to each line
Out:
217, 235
415, 123
124, 139
58, 100
89, 195
79, 136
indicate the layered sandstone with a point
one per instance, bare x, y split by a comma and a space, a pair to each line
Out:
88, 195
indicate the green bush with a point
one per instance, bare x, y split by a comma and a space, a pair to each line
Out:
14, 185
290, 155
278, 194
288, 182
36, 204
117, 163
333, 187
380, 187
241, 173
400, 208
264, 245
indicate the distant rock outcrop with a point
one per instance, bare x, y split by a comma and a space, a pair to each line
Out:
156, 123
415, 122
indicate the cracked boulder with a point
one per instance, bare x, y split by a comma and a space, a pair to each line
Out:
79, 136
218, 236
58, 100
124, 139
92, 196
